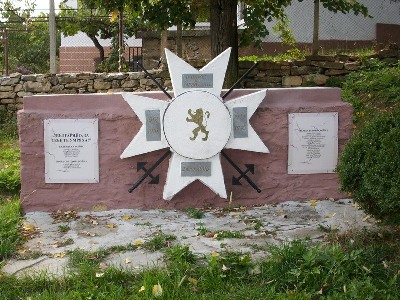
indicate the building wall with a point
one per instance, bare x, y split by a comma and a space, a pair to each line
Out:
338, 26
78, 54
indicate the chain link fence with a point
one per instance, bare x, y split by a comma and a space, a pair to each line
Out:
78, 53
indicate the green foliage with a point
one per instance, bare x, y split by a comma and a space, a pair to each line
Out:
10, 220
159, 241
22, 32
194, 213
180, 254
9, 155
374, 89
369, 167
354, 266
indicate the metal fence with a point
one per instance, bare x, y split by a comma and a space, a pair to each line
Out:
336, 30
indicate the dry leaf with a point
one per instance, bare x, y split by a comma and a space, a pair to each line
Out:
110, 225
313, 202
224, 268
235, 214
128, 260
138, 243
366, 218
281, 211
59, 255
330, 215
99, 275
215, 254
127, 217
192, 280
255, 271
157, 290
142, 289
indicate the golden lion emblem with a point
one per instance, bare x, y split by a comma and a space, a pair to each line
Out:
200, 119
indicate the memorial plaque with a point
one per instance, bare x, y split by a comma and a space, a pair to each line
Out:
240, 122
153, 125
313, 143
71, 150
197, 80
195, 169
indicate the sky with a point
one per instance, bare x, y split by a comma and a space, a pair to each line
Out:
42, 5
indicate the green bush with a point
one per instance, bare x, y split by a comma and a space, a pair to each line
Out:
369, 167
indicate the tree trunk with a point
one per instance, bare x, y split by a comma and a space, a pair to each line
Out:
315, 44
163, 44
224, 34
98, 46
178, 40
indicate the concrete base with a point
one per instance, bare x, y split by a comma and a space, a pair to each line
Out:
118, 125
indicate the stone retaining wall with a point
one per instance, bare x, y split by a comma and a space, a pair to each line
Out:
315, 70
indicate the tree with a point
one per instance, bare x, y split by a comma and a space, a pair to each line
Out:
155, 15
95, 23
22, 30
255, 14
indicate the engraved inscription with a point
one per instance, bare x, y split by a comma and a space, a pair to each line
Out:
200, 119
153, 125
240, 122
196, 169
71, 151
197, 80
313, 143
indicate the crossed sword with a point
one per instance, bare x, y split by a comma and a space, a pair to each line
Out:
155, 179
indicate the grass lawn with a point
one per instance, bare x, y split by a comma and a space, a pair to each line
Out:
351, 265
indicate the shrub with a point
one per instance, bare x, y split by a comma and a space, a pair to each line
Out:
369, 167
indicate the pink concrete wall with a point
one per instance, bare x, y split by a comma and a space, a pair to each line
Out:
118, 125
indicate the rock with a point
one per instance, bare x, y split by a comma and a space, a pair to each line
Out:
292, 81
318, 79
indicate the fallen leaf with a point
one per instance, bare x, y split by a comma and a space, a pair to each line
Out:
128, 260
330, 215
366, 218
127, 217
235, 214
255, 271
192, 280
281, 211
224, 268
111, 225
103, 266
157, 290
59, 255
99, 275
142, 289
29, 228
209, 234
138, 243
214, 254
313, 202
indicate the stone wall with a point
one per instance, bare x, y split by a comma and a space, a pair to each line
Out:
315, 70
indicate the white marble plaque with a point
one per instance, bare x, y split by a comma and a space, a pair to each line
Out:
313, 143
71, 150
